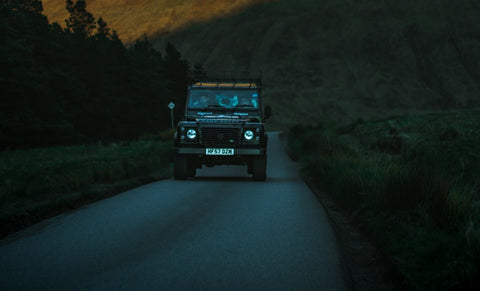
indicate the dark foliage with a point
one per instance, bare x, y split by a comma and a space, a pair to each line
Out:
80, 84
81, 22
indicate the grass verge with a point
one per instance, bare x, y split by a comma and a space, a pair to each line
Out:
412, 183
39, 183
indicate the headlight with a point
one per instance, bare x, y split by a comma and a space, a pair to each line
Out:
191, 133
248, 135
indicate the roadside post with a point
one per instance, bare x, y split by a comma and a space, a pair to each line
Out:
171, 105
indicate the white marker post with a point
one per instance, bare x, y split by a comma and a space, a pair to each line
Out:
171, 105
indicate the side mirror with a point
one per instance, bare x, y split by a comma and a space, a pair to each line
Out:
268, 111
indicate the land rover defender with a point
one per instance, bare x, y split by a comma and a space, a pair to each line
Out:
223, 125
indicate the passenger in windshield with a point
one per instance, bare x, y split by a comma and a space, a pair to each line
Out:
227, 102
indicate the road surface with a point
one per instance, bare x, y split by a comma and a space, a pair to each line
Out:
219, 231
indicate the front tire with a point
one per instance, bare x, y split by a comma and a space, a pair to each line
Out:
180, 167
260, 168
191, 167
250, 167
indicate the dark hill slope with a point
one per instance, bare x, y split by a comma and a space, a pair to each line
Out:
347, 59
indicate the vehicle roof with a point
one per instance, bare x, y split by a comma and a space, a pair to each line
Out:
223, 85
237, 83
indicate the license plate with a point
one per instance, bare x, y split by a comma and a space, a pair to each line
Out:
219, 152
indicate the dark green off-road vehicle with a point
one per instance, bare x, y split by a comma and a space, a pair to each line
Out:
222, 126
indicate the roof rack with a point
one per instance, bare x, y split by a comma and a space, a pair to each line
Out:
228, 80
228, 83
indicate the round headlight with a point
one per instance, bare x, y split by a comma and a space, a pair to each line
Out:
248, 135
191, 133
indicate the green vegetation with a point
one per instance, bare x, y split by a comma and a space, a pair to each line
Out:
412, 182
80, 84
38, 183
80, 113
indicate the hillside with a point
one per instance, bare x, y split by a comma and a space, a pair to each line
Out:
336, 58
133, 19
347, 59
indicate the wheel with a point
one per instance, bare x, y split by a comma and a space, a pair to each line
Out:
250, 167
180, 167
191, 167
260, 168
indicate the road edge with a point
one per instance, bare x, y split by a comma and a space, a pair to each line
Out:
14, 222
364, 265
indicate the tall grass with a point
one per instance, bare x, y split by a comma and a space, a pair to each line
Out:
413, 186
32, 174
36, 179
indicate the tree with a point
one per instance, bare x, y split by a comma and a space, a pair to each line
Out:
81, 22
103, 31
62, 86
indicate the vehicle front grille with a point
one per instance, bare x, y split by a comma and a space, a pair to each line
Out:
220, 136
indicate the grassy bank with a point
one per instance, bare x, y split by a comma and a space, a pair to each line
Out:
42, 182
412, 183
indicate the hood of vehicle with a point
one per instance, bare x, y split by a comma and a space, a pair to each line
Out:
222, 120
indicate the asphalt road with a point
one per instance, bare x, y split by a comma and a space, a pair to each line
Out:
218, 231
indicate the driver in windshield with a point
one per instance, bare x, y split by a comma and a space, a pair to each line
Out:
245, 101
248, 102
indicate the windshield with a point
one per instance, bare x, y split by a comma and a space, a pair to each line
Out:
208, 99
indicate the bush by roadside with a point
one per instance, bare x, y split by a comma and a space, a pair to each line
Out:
41, 182
412, 184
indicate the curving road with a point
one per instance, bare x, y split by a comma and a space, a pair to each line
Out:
218, 231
